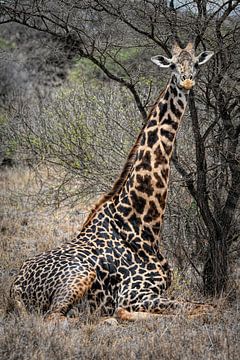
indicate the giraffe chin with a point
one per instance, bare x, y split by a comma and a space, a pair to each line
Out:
187, 84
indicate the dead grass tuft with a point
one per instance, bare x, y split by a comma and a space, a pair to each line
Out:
166, 338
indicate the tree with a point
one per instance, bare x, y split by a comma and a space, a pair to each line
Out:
104, 30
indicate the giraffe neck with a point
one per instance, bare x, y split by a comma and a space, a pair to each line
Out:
140, 204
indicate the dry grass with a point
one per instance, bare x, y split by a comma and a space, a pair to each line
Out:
26, 231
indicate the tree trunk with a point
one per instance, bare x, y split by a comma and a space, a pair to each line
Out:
215, 272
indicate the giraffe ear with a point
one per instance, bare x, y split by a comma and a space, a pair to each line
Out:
204, 57
162, 61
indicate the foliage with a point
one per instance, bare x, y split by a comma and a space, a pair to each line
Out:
6, 44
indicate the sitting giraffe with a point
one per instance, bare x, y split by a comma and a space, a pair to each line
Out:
115, 263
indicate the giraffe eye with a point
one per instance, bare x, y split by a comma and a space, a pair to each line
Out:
196, 65
172, 66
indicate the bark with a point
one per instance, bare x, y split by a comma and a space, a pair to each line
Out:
215, 272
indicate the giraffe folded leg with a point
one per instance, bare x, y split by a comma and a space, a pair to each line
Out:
163, 307
16, 304
125, 315
69, 294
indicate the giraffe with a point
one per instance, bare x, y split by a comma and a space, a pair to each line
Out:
115, 263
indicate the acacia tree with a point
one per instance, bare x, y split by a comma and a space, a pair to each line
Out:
101, 30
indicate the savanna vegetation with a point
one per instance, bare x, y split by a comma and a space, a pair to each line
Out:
76, 83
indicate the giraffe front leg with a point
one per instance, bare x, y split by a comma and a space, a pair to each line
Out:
147, 309
151, 308
69, 294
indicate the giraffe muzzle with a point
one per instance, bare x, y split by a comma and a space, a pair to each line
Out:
187, 84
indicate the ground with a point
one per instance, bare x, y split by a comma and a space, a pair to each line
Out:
26, 230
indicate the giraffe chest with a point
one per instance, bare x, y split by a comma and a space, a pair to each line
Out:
122, 273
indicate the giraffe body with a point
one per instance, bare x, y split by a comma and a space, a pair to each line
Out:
115, 262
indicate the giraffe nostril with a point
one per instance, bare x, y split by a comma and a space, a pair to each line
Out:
184, 77
190, 77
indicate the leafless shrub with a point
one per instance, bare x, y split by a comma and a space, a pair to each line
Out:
81, 138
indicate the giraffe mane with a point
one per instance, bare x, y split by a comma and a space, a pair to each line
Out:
119, 183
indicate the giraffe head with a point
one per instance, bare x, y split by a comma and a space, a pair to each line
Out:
184, 64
